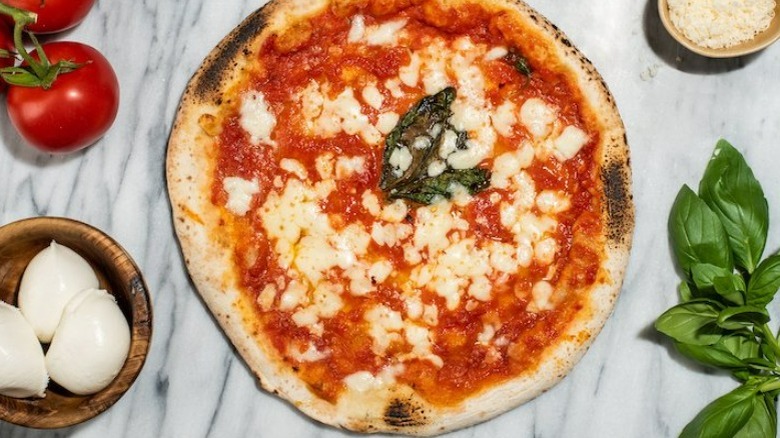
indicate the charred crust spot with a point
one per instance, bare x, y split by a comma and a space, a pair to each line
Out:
403, 413
209, 81
616, 179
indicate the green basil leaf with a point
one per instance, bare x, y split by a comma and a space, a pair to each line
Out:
741, 344
711, 355
725, 283
694, 322
703, 274
768, 352
731, 287
764, 282
763, 422
760, 364
686, 294
734, 318
734, 194
696, 233
725, 416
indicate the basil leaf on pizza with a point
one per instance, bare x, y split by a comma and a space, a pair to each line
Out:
397, 228
415, 163
518, 61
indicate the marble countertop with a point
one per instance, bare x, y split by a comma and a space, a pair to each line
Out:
674, 103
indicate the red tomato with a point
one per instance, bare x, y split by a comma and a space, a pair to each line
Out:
7, 43
54, 15
76, 111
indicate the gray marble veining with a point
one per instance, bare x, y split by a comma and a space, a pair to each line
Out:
630, 384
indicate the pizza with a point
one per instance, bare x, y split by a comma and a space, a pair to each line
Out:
408, 216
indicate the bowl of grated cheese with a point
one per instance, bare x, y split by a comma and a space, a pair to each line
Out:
722, 28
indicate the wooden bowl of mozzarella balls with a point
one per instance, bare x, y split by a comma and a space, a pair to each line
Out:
75, 322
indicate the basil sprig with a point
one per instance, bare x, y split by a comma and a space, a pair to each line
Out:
718, 238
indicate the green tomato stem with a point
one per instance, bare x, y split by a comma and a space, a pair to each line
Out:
41, 72
21, 19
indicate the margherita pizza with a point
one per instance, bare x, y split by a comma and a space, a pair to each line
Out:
407, 215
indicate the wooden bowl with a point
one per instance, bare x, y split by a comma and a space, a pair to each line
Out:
118, 274
760, 41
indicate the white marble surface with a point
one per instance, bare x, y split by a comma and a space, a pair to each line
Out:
675, 106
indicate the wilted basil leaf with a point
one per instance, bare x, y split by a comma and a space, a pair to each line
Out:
694, 322
734, 194
426, 189
418, 138
725, 416
518, 61
764, 282
697, 234
419, 122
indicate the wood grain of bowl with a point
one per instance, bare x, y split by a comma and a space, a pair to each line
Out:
759, 42
118, 274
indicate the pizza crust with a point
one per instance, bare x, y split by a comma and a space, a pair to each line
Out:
208, 253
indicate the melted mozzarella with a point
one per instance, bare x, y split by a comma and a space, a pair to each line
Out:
326, 117
400, 159
541, 293
311, 354
240, 192
410, 73
496, 53
372, 96
384, 34
293, 166
384, 323
569, 143
371, 203
256, 118
551, 201
537, 117
348, 166
385, 122
504, 118
357, 30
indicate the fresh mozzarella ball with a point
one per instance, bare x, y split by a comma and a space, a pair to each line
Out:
22, 369
90, 345
51, 279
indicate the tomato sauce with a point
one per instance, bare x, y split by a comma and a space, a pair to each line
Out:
468, 365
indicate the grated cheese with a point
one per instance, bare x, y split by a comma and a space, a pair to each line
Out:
721, 23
